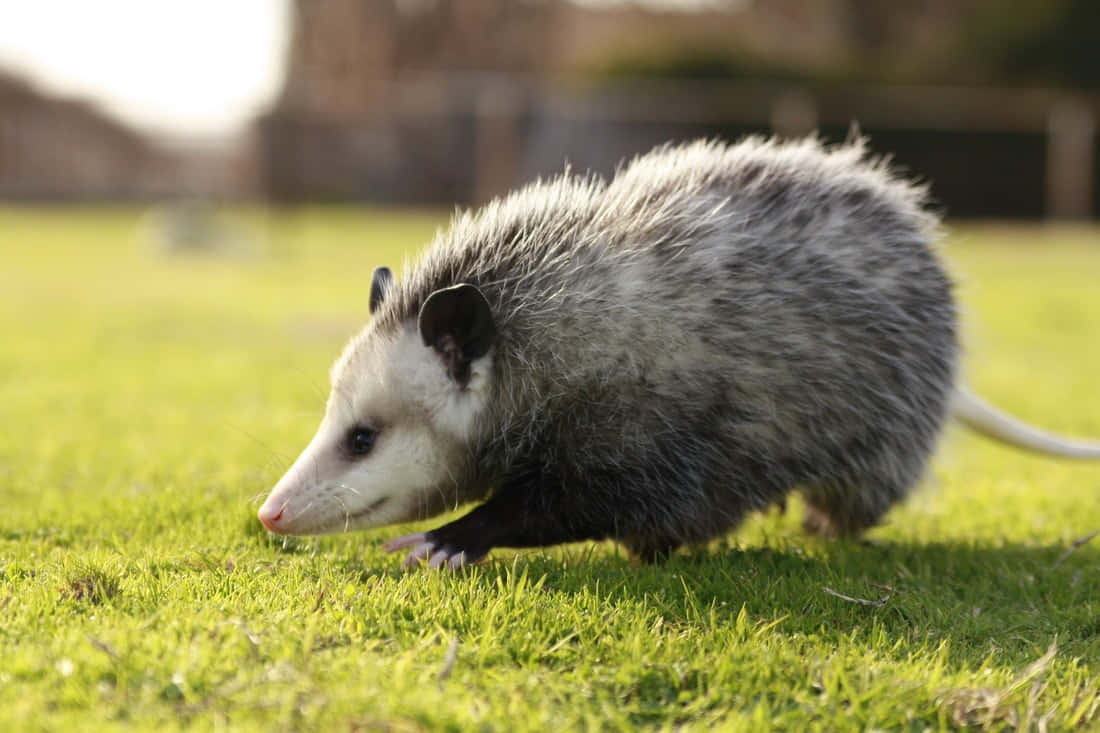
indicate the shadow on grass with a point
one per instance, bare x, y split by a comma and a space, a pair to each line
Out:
1008, 600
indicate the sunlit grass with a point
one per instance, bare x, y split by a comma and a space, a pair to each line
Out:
148, 400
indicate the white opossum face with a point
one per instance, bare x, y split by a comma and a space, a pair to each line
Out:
399, 422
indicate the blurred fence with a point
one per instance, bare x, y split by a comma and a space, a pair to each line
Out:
987, 152
56, 149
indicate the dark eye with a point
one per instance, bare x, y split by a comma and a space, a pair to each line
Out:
360, 440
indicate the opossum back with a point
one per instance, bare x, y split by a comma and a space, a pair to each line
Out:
807, 278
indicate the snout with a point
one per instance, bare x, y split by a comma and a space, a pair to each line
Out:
270, 515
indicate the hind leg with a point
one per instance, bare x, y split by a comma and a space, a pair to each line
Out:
847, 510
650, 550
824, 521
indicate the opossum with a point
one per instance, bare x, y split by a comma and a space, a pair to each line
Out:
648, 359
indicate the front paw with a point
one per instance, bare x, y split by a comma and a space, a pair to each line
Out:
438, 554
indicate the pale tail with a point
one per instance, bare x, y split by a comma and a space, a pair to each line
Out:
983, 418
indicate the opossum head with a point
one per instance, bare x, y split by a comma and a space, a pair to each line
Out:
405, 409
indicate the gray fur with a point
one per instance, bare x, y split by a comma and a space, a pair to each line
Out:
714, 327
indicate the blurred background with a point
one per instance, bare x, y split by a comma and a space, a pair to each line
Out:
453, 101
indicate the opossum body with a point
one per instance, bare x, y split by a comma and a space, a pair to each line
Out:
646, 359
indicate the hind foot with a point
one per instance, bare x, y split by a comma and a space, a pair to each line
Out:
843, 510
650, 552
830, 525
818, 523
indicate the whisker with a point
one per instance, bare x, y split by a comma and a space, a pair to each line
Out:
275, 455
301, 511
316, 388
347, 513
454, 482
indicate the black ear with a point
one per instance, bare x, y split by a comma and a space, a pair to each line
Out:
379, 284
458, 324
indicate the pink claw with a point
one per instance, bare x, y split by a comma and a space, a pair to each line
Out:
423, 549
400, 543
420, 552
443, 559
439, 559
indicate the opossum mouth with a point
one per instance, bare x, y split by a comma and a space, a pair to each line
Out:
369, 510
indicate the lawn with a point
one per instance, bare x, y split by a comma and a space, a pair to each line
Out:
149, 401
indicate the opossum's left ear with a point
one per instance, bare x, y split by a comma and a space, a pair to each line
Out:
379, 283
458, 324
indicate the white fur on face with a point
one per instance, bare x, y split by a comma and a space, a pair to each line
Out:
424, 423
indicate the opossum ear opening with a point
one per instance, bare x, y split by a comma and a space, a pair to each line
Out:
458, 324
379, 283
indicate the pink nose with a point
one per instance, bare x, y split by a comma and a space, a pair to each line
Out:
270, 515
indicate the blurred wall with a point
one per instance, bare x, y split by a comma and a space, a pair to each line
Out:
443, 101
61, 149
57, 149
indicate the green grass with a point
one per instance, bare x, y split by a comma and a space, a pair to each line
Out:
147, 403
